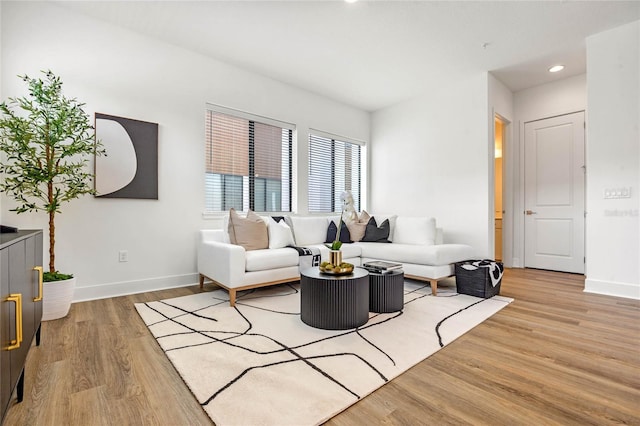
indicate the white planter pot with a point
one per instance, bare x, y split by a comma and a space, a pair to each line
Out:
56, 298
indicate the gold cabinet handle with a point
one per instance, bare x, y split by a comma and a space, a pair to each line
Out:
17, 298
40, 278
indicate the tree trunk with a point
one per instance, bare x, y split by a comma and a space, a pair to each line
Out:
51, 207
52, 242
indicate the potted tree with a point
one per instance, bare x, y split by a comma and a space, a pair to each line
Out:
47, 140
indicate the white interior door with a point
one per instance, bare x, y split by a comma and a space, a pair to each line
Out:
554, 193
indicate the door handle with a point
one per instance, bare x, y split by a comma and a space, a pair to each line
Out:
40, 277
530, 212
17, 298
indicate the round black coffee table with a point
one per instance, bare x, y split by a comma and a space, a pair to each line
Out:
334, 302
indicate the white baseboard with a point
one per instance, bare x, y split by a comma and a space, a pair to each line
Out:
515, 263
123, 288
611, 288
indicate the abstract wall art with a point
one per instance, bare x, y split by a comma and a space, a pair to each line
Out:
130, 168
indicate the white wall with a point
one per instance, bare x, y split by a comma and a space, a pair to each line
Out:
119, 72
430, 156
613, 161
547, 100
501, 103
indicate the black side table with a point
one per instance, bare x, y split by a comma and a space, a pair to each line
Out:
334, 302
386, 291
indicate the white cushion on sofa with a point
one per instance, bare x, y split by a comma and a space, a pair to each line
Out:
279, 234
440, 254
309, 230
265, 259
225, 229
415, 230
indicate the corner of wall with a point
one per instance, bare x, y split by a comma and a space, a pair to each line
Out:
501, 103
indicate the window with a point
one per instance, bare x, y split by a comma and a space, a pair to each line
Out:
334, 167
248, 162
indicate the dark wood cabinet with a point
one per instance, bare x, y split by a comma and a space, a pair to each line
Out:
20, 308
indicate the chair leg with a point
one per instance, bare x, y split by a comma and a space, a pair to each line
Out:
434, 287
201, 281
232, 298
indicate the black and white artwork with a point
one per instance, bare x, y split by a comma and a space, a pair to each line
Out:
130, 168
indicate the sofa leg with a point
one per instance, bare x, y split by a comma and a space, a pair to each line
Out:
434, 287
201, 281
232, 298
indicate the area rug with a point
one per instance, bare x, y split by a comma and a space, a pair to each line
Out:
259, 364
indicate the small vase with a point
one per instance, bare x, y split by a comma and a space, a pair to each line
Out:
335, 257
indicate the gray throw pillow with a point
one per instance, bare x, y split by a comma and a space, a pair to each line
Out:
375, 233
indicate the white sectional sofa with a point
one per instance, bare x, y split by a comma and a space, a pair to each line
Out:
416, 242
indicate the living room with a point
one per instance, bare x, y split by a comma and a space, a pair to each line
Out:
135, 76
438, 140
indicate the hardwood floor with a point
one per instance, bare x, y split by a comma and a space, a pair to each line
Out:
556, 355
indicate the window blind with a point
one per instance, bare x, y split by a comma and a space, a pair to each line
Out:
248, 163
334, 167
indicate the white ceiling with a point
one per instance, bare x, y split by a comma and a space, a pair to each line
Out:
372, 54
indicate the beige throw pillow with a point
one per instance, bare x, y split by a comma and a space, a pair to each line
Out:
358, 226
250, 232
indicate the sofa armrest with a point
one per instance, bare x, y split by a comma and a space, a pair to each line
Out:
222, 262
207, 235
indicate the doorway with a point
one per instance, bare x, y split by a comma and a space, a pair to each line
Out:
499, 145
554, 185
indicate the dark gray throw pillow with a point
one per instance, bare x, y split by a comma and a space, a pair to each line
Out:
345, 235
375, 233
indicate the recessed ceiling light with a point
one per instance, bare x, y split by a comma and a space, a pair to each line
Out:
556, 68
351, 1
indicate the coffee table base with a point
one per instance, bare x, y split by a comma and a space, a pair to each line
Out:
386, 292
339, 303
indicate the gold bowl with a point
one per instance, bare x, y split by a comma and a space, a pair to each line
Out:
341, 269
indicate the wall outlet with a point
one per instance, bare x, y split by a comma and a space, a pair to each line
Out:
613, 193
123, 256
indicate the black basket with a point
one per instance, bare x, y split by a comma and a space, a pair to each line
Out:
478, 282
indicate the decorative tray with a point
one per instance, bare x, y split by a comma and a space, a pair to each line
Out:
337, 271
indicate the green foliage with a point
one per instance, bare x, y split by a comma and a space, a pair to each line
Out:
335, 245
46, 147
47, 140
55, 276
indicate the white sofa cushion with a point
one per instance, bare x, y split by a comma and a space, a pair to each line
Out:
265, 259
225, 229
415, 230
279, 234
411, 253
308, 230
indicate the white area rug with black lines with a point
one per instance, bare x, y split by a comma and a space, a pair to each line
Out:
259, 364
